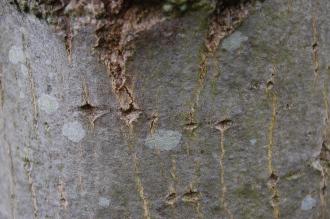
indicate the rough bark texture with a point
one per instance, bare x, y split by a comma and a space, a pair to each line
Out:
171, 125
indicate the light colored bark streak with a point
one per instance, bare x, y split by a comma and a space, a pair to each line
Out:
196, 183
140, 187
13, 202
172, 196
173, 183
131, 23
289, 6
219, 28
32, 89
152, 128
272, 183
28, 166
86, 96
315, 59
324, 172
223, 192
33, 96
80, 178
62, 195
68, 39
271, 135
153, 123
315, 47
137, 177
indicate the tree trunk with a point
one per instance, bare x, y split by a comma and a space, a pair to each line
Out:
154, 116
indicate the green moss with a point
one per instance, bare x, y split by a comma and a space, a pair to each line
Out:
247, 191
293, 175
27, 162
176, 7
60, 167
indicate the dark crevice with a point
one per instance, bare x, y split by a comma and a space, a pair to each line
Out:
191, 126
325, 152
191, 196
270, 85
14, 2
171, 198
224, 124
87, 107
90, 109
273, 177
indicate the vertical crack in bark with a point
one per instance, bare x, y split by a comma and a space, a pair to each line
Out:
80, 169
114, 42
195, 184
140, 187
62, 195
273, 178
324, 169
172, 198
32, 89
153, 123
315, 58
315, 47
222, 176
137, 172
223, 22
222, 126
68, 38
28, 167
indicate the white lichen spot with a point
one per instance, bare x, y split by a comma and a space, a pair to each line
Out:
308, 203
317, 166
24, 70
48, 103
16, 55
20, 83
23, 30
104, 202
74, 131
253, 141
163, 139
21, 95
48, 62
234, 41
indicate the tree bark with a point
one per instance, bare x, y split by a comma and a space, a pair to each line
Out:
181, 118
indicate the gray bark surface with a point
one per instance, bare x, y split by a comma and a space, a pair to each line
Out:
247, 138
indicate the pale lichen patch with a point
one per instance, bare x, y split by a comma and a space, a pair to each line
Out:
253, 141
48, 103
163, 139
234, 41
16, 55
104, 202
74, 131
308, 203
21, 95
24, 70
